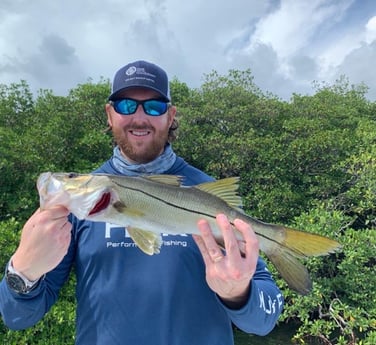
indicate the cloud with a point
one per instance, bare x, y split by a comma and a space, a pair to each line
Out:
287, 44
357, 63
370, 30
292, 27
50, 63
358, 67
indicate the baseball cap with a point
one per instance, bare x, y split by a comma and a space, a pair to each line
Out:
141, 74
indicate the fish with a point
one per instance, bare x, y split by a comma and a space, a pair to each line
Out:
151, 205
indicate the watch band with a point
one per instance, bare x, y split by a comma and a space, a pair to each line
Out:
17, 281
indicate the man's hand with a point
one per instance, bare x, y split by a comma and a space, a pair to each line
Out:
229, 274
44, 242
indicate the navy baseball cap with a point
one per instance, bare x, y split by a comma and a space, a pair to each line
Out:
141, 74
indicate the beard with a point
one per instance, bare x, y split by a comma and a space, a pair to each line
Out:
141, 152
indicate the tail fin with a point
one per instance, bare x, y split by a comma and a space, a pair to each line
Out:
305, 244
292, 271
296, 244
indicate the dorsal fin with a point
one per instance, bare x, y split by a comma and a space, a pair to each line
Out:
173, 180
226, 189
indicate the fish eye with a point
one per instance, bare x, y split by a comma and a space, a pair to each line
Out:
72, 175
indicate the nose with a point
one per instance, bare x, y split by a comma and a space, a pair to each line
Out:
140, 113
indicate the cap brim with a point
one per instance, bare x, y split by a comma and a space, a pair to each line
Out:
117, 93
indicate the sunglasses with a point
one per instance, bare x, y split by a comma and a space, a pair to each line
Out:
128, 106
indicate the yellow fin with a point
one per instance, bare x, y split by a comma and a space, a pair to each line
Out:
305, 244
226, 189
292, 271
295, 244
149, 242
173, 180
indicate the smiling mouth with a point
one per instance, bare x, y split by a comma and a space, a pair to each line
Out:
139, 133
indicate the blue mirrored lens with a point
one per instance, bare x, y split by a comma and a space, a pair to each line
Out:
128, 106
154, 107
125, 106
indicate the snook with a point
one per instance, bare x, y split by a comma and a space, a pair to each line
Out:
149, 206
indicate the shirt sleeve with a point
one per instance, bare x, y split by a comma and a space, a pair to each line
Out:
20, 311
264, 306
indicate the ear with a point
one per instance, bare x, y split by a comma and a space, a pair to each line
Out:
108, 112
172, 114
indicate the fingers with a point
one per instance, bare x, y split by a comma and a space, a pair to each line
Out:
64, 235
55, 216
55, 212
228, 273
248, 247
250, 244
48, 224
208, 245
45, 240
230, 240
209, 248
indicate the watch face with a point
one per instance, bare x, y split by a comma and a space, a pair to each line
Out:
16, 283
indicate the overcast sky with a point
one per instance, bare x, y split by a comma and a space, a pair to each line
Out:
287, 44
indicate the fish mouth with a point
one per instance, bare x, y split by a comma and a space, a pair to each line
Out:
102, 203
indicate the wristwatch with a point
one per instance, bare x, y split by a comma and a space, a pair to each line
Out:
17, 281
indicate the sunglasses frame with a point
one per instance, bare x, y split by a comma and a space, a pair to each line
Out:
142, 103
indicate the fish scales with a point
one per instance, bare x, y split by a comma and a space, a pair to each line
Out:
178, 210
152, 205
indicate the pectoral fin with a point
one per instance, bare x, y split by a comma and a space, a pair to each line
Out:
129, 211
149, 242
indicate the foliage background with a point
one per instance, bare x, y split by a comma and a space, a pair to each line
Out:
308, 163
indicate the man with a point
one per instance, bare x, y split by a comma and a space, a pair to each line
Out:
190, 293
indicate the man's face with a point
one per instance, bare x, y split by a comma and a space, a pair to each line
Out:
141, 137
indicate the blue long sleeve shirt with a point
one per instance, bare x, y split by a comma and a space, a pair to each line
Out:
127, 297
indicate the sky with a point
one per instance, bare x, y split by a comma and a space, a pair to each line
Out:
287, 44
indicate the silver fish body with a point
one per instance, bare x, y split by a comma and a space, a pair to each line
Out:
149, 206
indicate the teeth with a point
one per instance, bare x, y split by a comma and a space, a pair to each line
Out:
140, 133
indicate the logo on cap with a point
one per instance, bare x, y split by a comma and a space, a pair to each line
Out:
131, 70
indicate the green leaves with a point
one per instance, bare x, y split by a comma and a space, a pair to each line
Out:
51, 133
308, 163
